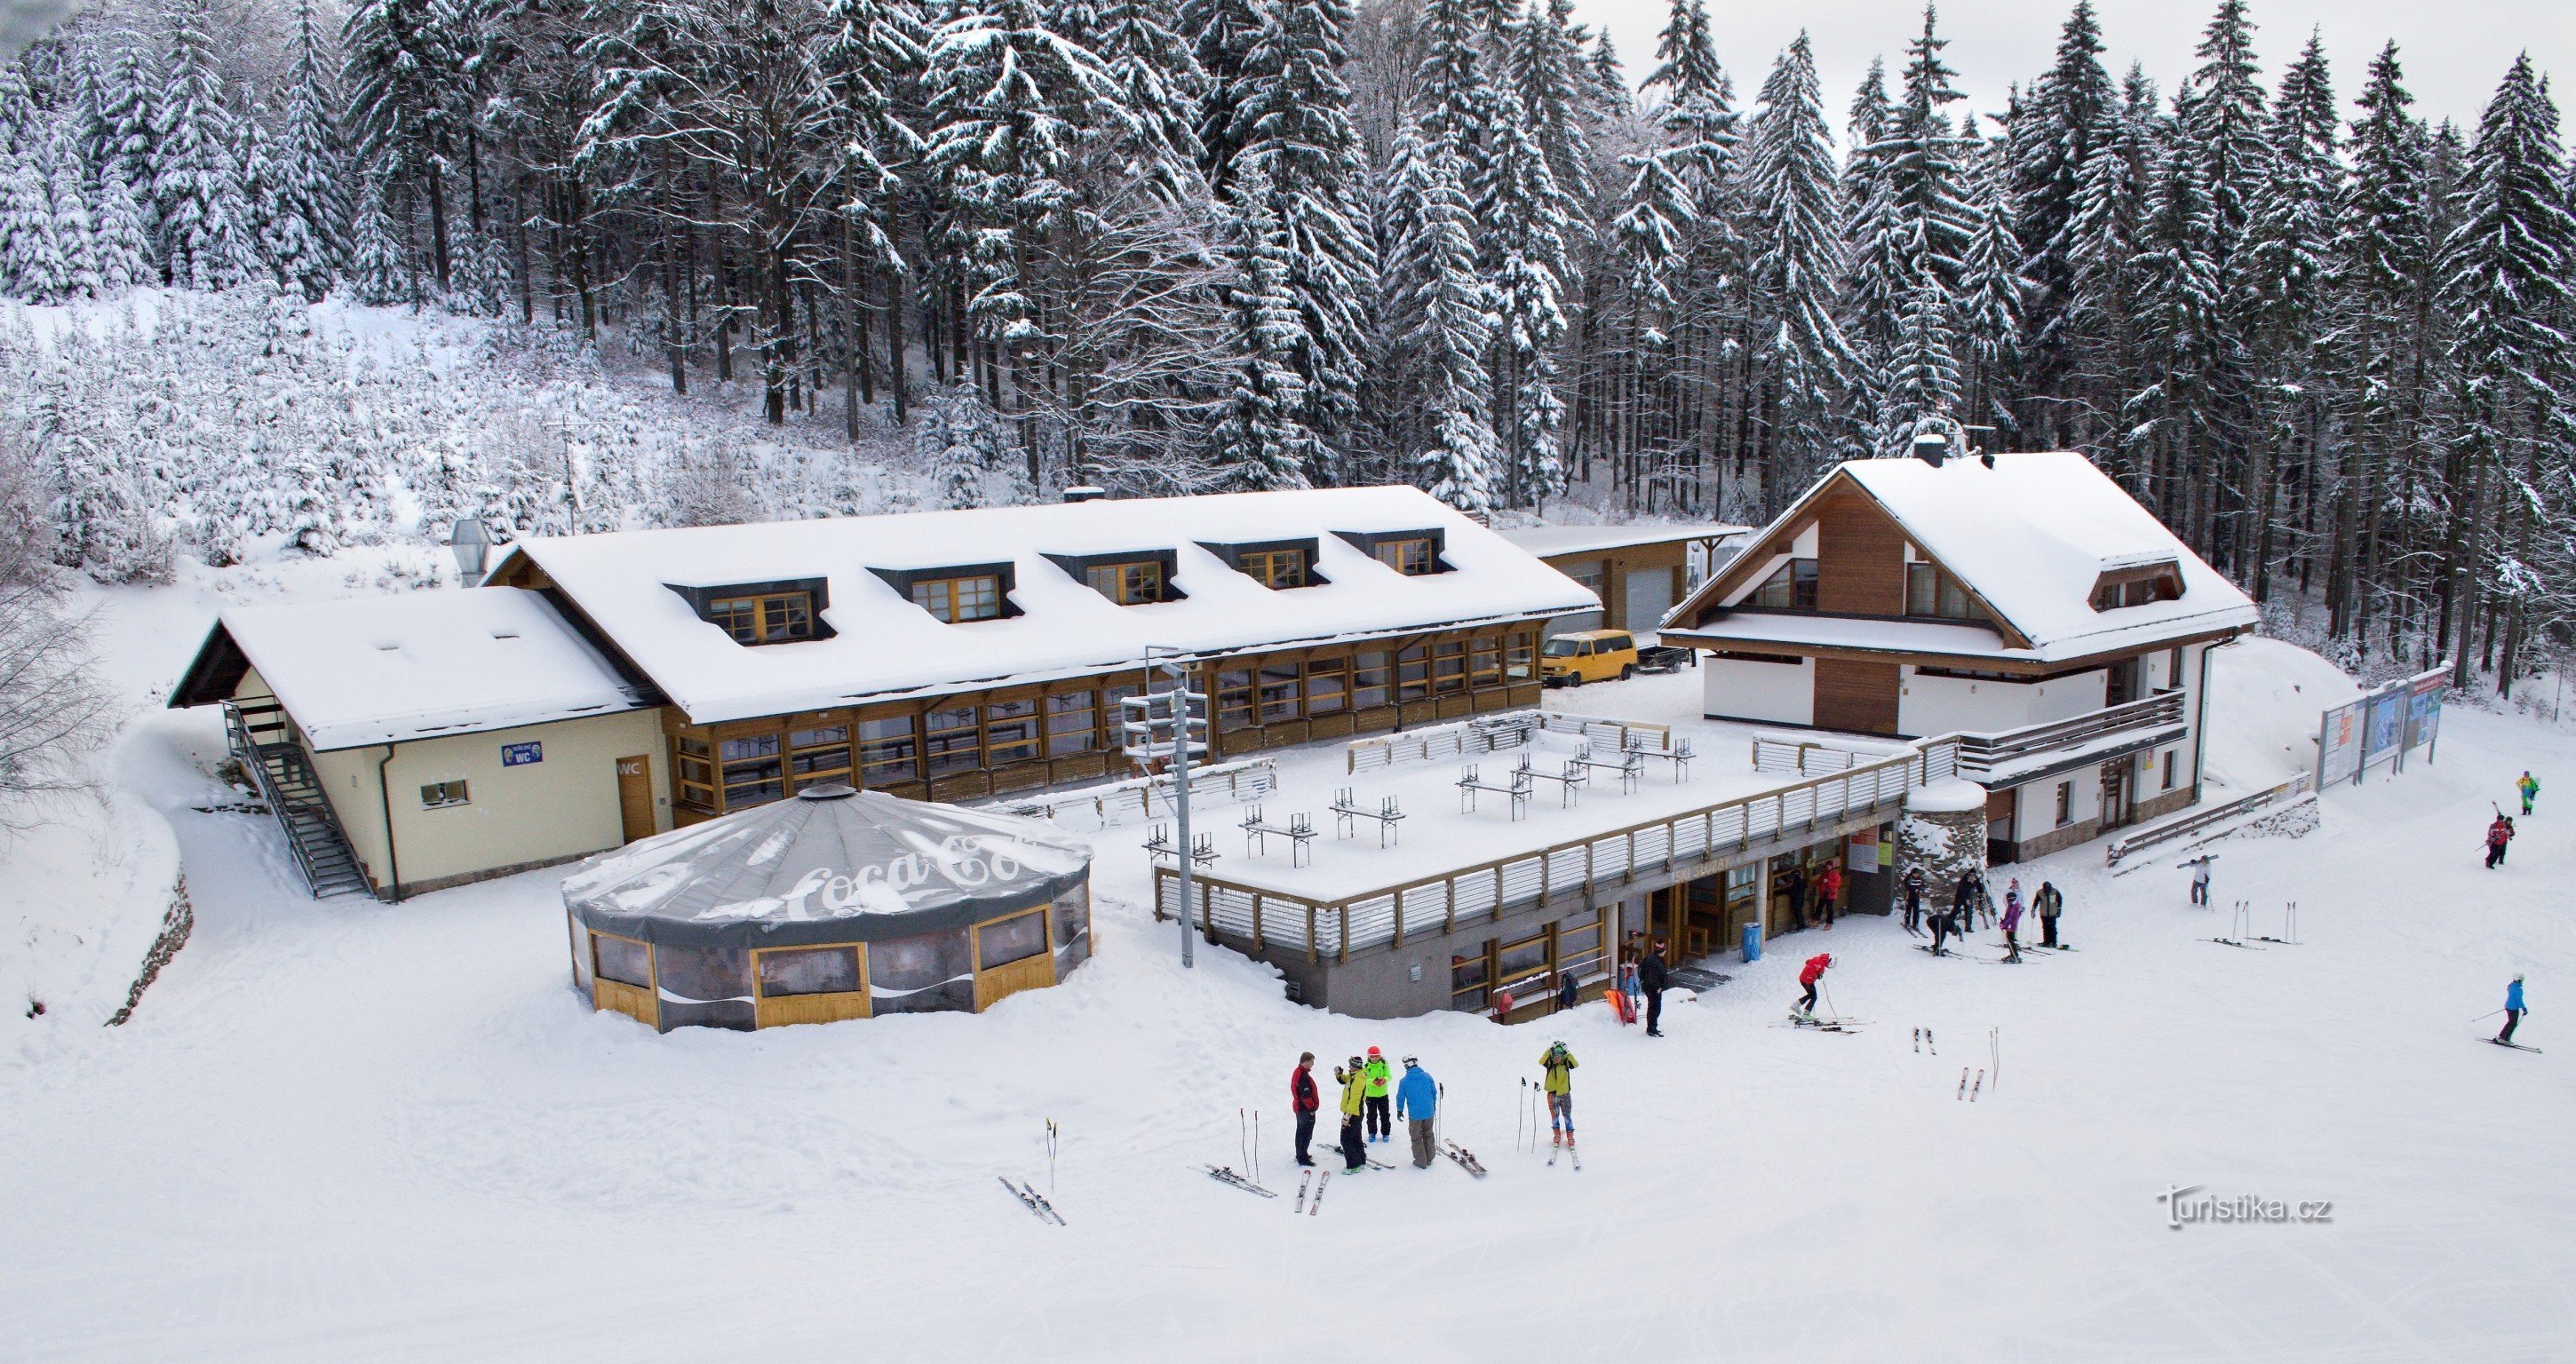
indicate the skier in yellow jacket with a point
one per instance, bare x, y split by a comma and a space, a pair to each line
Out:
1559, 1065
1354, 1081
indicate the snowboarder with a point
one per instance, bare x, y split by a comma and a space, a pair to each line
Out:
1829, 889
2200, 878
1417, 1099
1797, 892
1914, 898
2514, 1008
1652, 978
2012, 920
1381, 1127
1812, 974
2530, 789
1304, 1101
1559, 1087
2047, 904
1354, 1082
2498, 834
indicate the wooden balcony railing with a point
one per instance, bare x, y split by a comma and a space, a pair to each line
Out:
1981, 754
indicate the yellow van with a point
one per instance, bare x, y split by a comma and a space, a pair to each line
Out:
1571, 660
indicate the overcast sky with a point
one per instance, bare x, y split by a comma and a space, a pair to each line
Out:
2454, 51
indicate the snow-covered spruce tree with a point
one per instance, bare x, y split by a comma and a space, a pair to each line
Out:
1989, 304
2292, 270
127, 143
118, 250
1158, 78
1922, 158
2104, 238
959, 443
308, 213
66, 183
31, 260
1923, 369
1699, 117
1554, 82
1454, 310
1875, 281
2510, 268
2168, 414
404, 71
376, 273
204, 220
1221, 34
2384, 249
1793, 238
1527, 219
1292, 110
2053, 136
1260, 442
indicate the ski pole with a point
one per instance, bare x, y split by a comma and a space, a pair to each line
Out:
1256, 1146
1242, 1138
2481, 1018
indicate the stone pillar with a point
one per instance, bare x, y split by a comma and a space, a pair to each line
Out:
1943, 831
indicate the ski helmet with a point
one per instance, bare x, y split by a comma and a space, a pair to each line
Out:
1372, 1051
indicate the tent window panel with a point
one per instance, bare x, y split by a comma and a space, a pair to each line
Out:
1072, 912
1011, 732
953, 744
1278, 692
1072, 723
809, 971
705, 973
1008, 940
623, 960
1369, 679
902, 965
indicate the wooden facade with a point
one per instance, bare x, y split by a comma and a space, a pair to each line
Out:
977, 744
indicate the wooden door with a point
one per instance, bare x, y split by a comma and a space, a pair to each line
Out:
635, 796
2115, 795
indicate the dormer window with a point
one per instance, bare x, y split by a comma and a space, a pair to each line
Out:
1276, 564
957, 600
2137, 585
1791, 587
1413, 553
956, 594
1130, 584
763, 613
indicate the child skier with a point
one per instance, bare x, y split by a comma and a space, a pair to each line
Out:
2047, 904
1381, 1127
2498, 834
2514, 1008
1559, 1087
1810, 976
1354, 1082
2530, 789
2012, 920
2200, 878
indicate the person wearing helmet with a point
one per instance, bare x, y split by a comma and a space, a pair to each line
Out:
1417, 1101
2514, 1009
1381, 1125
2012, 920
1354, 1082
1559, 1065
1808, 976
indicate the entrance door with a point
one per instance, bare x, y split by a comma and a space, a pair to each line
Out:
2115, 795
2121, 686
635, 796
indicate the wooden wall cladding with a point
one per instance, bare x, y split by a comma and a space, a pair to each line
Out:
1860, 562
1856, 697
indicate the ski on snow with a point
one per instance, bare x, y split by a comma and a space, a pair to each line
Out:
1035, 1202
1466, 1159
1223, 1174
1316, 1208
1303, 1181
2517, 1046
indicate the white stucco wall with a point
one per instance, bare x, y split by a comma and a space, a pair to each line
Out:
1945, 705
564, 806
1771, 693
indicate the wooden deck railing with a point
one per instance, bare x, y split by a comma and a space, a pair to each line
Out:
1980, 754
1439, 902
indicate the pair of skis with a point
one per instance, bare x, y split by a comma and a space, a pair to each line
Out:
1034, 1201
1224, 1174
1571, 1154
1814, 1024
1315, 1205
1923, 1038
1466, 1159
2517, 1046
1967, 1092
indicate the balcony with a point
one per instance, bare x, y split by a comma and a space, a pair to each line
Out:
2034, 752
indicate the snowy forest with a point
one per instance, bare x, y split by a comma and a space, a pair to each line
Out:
1198, 245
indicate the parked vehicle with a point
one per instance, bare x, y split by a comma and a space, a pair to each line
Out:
1571, 660
1663, 658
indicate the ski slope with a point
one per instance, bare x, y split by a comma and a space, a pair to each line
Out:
354, 1132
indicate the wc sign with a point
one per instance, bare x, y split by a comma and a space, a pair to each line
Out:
520, 755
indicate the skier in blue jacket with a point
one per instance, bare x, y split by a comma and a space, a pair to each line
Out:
1417, 1100
2513, 1009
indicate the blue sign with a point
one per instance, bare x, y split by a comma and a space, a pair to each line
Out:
2381, 733
520, 755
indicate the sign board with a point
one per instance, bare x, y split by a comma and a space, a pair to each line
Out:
2383, 726
520, 755
2424, 711
1863, 854
2339, 744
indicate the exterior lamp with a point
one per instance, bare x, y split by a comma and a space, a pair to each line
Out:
470, 544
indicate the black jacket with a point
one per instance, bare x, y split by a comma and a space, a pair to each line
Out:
1650, 974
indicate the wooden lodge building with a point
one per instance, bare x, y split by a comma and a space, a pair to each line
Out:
1638, 571
2024, 602
596, 689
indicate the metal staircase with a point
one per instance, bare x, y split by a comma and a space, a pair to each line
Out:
257, 732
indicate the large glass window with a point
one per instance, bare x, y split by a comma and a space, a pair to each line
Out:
1128, 584
1071, 723
819, 755
960, 599
1008, 940
766, 618
1413, 673
697, 772
889, 751
1412, 558
1011, 731
1276, 568
809, 971
1278, 692
1519, 663
753, 774
1791, 587
1485, 662
1327, 682
623, 960
1234, 699
1518, 962
1370, 677
1931, 592
953, 743
1449, 665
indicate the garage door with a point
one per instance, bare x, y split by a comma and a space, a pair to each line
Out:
1650, 595
1588, 575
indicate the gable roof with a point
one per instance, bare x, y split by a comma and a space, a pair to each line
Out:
373, 670
884, 646
2028, 537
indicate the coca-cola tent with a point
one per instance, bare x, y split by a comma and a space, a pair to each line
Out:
832, 904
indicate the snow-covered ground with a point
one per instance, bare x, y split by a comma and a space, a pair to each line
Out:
344, 1131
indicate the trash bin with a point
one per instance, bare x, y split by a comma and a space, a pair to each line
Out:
1753, 940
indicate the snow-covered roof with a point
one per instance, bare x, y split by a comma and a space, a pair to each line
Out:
373, 670
2030, 536
884, 645
1556, 541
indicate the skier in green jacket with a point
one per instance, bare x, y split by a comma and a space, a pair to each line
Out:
1381, 1122
2529, 786
1559, 1065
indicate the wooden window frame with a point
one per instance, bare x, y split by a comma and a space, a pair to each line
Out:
1265, 566
1414, 558
446, 799
1796, 589
2065, 804
942, 596
878, 774
757, 618
1137, 582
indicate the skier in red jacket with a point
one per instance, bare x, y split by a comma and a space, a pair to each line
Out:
1303, 1101
1813, 972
